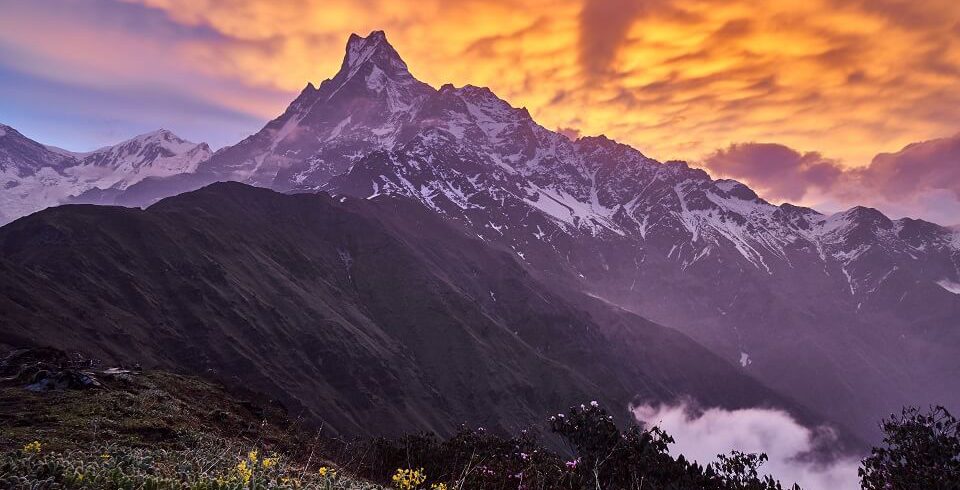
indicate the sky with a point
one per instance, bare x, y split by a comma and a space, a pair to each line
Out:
809, 102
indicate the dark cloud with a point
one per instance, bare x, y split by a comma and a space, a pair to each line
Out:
919, 167
921, 180
781, 172
603, 28
604, 25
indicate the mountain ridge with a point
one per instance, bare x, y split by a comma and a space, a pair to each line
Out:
36, 176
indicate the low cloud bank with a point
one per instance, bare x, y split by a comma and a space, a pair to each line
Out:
795, 451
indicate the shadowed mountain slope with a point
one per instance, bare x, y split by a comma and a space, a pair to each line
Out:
374, 317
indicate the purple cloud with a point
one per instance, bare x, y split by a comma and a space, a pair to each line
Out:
919, 167
921, 180
776, 170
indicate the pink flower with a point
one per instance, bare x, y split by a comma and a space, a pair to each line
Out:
572, 464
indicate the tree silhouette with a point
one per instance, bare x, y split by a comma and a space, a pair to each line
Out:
920, 451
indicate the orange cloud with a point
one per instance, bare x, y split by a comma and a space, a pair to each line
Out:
675, 78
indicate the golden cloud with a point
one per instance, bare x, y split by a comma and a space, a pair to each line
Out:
675, 78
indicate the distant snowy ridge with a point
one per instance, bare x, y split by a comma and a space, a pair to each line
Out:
34, 176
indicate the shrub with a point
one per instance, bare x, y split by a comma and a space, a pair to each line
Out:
600, 455
920, 450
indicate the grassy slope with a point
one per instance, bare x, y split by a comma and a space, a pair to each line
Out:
146, 428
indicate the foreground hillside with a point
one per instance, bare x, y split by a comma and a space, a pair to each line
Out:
76, 424
368, 317
70, 422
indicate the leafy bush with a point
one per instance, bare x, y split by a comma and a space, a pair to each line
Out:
600, 456
920, 450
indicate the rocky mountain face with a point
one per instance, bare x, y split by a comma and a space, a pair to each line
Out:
372, 316
34, 176
854, 314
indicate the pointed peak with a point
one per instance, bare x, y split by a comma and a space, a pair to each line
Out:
373, 49
377, 35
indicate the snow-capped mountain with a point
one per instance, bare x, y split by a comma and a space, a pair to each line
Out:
35, 176
156, 154
853, 313
328, 128
853, 310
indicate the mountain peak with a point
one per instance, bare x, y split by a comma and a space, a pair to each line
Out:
161, 135
146, 148
374, 49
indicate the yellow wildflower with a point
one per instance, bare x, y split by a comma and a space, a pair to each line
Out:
408, 479
33, 447
104, 456
243, 471
438, 486
252, 455
324, 471
268, 462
